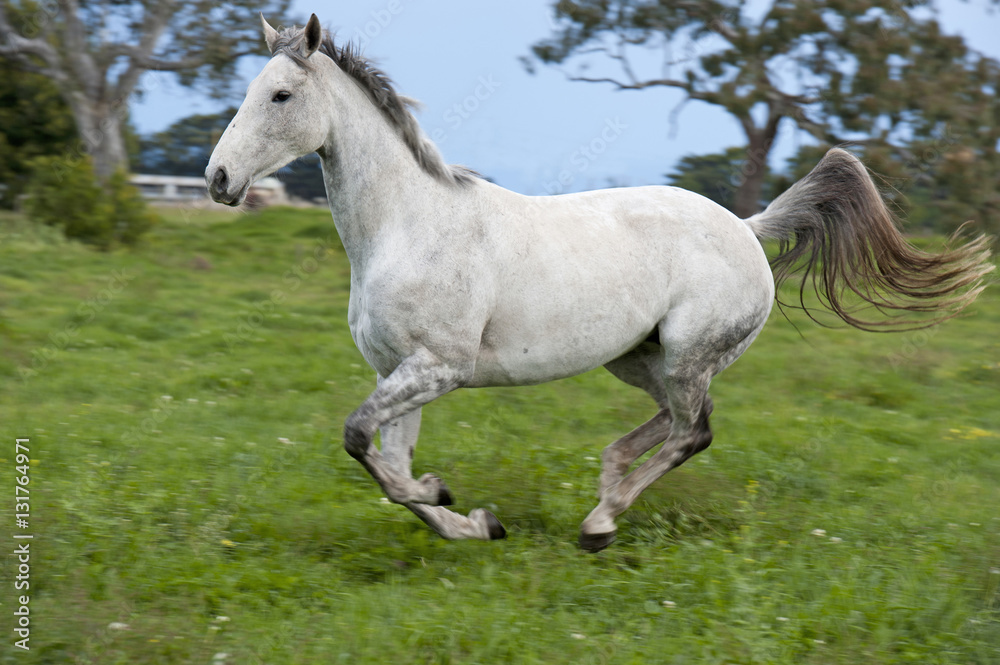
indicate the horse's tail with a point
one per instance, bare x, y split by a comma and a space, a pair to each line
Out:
835, 229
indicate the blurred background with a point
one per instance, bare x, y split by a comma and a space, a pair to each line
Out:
731, 99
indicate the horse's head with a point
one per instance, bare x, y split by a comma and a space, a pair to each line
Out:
279, 120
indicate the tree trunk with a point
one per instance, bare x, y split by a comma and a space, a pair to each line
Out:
100, 126
754, 173
759, 143
748, 195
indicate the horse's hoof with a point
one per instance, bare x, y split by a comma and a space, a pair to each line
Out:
497, 532
494, 528
595, 542
444, 496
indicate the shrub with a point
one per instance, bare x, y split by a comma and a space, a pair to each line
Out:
66, 193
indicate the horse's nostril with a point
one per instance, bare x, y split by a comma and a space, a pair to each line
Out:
220, 180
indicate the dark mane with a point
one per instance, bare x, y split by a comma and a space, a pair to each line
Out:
395, 107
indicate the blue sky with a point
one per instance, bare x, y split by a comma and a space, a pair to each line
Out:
460, 59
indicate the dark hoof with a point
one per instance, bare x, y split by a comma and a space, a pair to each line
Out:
497, 532
444, 496
595, 542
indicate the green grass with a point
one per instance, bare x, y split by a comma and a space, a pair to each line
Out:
157, 387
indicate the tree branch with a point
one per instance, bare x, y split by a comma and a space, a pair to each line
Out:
156, 64
637, 85
21, 50
153, 25
78, 60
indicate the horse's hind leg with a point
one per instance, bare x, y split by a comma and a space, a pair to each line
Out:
693, 351
689, 433
640, 368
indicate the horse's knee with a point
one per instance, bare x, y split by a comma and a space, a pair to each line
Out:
356, 436
612, 456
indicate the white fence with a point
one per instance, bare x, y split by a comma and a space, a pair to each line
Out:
182, 189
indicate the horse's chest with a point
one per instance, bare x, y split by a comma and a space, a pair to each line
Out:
373, 333
391, 319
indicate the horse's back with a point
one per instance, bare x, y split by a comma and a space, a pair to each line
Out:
582, 278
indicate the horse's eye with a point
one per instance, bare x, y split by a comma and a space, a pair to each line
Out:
281, 96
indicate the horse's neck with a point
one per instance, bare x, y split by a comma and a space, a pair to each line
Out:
372, 180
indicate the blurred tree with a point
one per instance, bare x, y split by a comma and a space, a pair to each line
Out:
185, 147
303, 178
875, 72
97, 51
34, 122
717, 176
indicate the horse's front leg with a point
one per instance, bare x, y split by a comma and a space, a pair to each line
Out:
415, 382
394, 408
399, 439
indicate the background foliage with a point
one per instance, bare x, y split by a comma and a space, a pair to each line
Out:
880, 74
65, 193
34, 122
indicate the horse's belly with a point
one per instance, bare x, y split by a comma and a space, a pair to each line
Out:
514, 352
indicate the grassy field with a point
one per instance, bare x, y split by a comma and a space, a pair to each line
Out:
191, 501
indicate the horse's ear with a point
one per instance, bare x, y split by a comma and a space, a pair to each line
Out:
314, 35
270, 34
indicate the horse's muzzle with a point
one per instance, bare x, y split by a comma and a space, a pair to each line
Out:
220, 187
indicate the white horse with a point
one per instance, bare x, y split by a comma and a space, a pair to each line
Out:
456, 282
